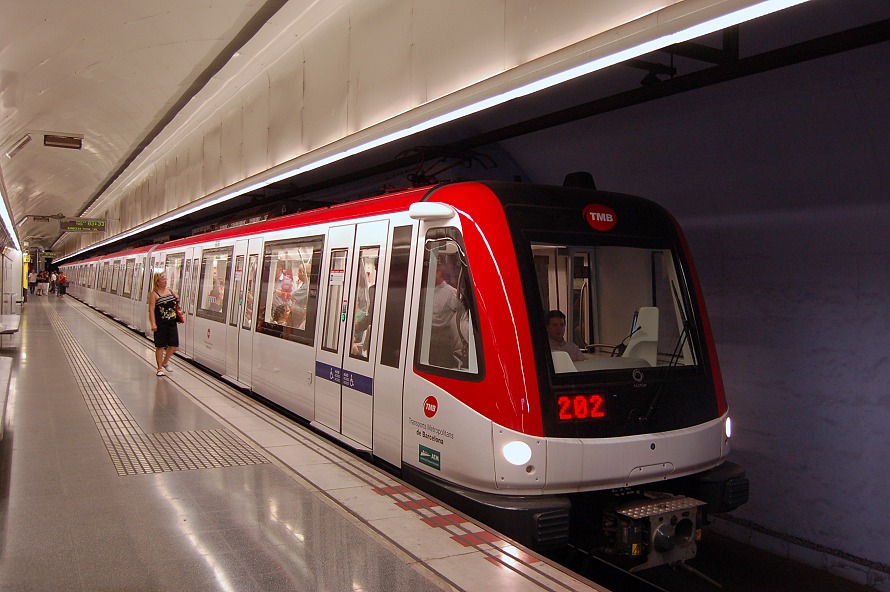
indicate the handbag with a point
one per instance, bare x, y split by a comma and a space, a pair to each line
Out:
179, 317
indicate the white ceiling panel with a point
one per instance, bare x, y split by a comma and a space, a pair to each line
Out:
379, 87
326, 73
264, 83
106, 71
286, 106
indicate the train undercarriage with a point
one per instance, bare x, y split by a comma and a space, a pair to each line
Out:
635, 528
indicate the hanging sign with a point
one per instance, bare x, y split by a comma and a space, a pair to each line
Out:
81, 225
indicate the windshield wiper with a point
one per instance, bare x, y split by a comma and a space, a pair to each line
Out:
673, 363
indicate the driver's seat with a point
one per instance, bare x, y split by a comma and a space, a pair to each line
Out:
643, 344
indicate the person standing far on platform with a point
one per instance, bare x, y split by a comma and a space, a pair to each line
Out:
32, 281
53, 278
62, 284
42, 283
162, 305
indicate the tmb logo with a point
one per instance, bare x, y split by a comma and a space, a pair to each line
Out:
600, 217
430, 406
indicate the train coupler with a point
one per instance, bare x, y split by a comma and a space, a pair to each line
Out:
659, 530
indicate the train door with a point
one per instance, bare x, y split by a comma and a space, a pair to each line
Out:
239, 350
248, 311
190, 300
395, 285
361, 334
344, 359
184, 345
329, 352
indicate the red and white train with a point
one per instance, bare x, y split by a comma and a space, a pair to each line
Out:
412, 327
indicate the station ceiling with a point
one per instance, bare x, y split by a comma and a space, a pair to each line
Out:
72, 121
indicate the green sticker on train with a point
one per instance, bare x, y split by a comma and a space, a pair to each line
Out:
430, 457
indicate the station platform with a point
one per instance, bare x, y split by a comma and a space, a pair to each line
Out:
112, 478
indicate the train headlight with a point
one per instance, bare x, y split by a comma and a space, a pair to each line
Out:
727, 427
517, 453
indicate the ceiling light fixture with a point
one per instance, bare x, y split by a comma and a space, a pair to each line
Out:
401, 126
7, 222
24, 141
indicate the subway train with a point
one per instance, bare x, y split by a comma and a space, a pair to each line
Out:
418, 328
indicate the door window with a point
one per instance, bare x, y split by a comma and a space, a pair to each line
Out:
247, 318
115, 273
365, 291
236, 289
334, 311
128, 278
194, 291
139, 278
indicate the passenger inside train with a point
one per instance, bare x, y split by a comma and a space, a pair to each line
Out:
448, 324
287, 299
365, 292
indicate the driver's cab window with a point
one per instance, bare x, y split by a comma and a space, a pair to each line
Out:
620, 307
448, 327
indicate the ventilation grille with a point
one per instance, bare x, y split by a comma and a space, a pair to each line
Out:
552, 528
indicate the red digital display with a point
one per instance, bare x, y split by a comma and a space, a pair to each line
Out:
581, 407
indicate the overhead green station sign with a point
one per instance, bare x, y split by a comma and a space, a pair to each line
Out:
81, 225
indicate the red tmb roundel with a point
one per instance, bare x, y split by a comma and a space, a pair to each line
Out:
430, 406
600, 217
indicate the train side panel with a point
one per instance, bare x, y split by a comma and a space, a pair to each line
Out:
283, 371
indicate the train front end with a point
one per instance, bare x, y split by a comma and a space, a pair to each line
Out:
617, 426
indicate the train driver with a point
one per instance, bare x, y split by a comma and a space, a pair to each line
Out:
556, 330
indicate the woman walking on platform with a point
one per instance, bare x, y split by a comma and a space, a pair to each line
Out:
162, 306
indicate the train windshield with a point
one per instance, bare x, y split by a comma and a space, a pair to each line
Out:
612, 307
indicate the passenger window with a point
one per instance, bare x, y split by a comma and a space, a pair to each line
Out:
288, 289
365, 291
215, 266
448, 335
394, 319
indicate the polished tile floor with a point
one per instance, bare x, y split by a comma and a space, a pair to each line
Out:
114, 479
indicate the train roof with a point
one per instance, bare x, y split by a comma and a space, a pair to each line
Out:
381, 204
507, 193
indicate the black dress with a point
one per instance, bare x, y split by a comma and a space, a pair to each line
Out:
167, 334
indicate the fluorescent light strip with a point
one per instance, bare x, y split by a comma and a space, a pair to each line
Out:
716, 24
7, 222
